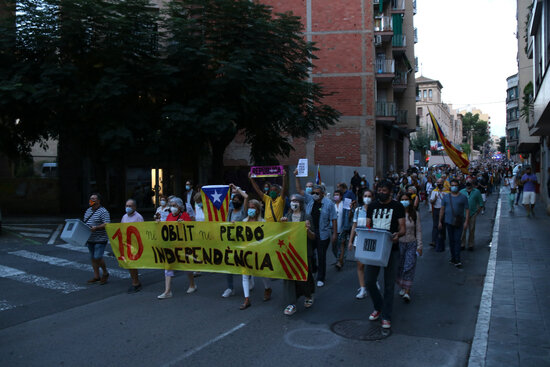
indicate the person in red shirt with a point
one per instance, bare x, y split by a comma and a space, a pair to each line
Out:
177, 214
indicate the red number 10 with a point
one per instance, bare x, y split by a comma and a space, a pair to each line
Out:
131, 230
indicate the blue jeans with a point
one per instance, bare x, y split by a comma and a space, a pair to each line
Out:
96, 249
455, 234
385, 304
438, 236
229, 278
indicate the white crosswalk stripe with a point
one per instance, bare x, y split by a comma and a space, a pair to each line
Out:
34, 234
56, 261
29, 229
68, 246
39, 281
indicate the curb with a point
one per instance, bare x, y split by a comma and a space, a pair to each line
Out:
478, 352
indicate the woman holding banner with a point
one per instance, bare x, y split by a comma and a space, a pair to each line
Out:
177, 214
293, 289
254, 215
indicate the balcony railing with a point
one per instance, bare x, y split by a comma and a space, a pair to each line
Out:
401, 117
415, 35
383, 24
384, 66
416, 64
400, 78
386, 109
398, 5
414, 6
399, 40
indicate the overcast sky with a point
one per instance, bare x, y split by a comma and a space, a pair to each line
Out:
470, 46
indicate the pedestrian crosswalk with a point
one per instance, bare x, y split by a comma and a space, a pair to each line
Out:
49, 270
38, 233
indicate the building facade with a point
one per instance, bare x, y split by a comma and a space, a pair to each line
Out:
534, 50
429, 97
364, 60
512, 116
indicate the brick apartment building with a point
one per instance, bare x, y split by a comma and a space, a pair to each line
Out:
366, 58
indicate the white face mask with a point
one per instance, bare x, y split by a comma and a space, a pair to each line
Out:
129, 210
367, 200
174, 210
294, 206
163, 203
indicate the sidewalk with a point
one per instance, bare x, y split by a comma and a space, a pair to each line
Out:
513, 327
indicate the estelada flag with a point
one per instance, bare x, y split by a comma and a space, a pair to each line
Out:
318, 176
215, 202
459, 158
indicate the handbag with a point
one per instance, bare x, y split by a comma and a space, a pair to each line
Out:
457, 218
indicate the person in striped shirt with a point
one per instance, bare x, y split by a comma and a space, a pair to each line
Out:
97, 217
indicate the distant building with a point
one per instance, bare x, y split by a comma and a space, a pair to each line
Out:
429, 97
512, 116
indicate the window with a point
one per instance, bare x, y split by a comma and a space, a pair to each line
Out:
430, 94
424, 94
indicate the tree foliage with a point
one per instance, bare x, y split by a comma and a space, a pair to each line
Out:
421, 141
185, 80
480, 129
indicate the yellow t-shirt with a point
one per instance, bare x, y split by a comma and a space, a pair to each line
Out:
278, 208
446, 186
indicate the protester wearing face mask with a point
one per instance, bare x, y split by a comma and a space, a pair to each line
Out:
237, 213
360, 221
292, 290
348, 202
324, 218
254, 215
274, 200
455, 214
163, 210
438, 235
189, 195
410, 246
97, 217
306, 193
476, 205
132, 216
177, 214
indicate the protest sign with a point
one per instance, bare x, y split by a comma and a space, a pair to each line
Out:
266, 171
272, 250
302, 168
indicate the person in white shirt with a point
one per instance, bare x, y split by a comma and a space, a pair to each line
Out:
163, 210
132, 216
511, 186
438, 236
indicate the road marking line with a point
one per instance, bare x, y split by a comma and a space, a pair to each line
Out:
56, 261
5, 305
55, 234
39, 235
23, 237
68, 246
39, 281
198, 349
30, 229
478, 352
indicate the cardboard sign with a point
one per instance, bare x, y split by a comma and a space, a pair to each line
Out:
266, 171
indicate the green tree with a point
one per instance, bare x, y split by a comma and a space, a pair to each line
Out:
472, 124
421, 141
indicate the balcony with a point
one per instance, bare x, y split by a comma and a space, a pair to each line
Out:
399, 43
401, 118
414, 7
400, 82
398, 6
416, 64
385, 69
386, 112
415, 35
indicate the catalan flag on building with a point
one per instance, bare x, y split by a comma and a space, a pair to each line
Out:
215, 202
459, 158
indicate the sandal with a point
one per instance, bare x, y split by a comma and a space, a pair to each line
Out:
93, 280
245, 304
290, 310
308, 302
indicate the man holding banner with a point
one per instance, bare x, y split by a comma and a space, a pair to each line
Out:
274, 202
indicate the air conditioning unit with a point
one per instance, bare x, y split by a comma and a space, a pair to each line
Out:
377, 40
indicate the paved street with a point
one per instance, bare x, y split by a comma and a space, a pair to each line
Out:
50, 316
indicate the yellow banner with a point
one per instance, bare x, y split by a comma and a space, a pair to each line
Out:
264, 249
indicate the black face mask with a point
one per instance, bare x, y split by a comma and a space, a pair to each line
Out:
383, 197
237, 204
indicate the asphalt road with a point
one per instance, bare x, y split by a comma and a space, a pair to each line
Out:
49, 316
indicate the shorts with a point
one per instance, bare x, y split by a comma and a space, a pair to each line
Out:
529, 197
96, 249
484, 197
343, 236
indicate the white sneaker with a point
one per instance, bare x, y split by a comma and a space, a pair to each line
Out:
320, 283
251, 283
402, 292
362, 293
191, 289
228, 293
165, 295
